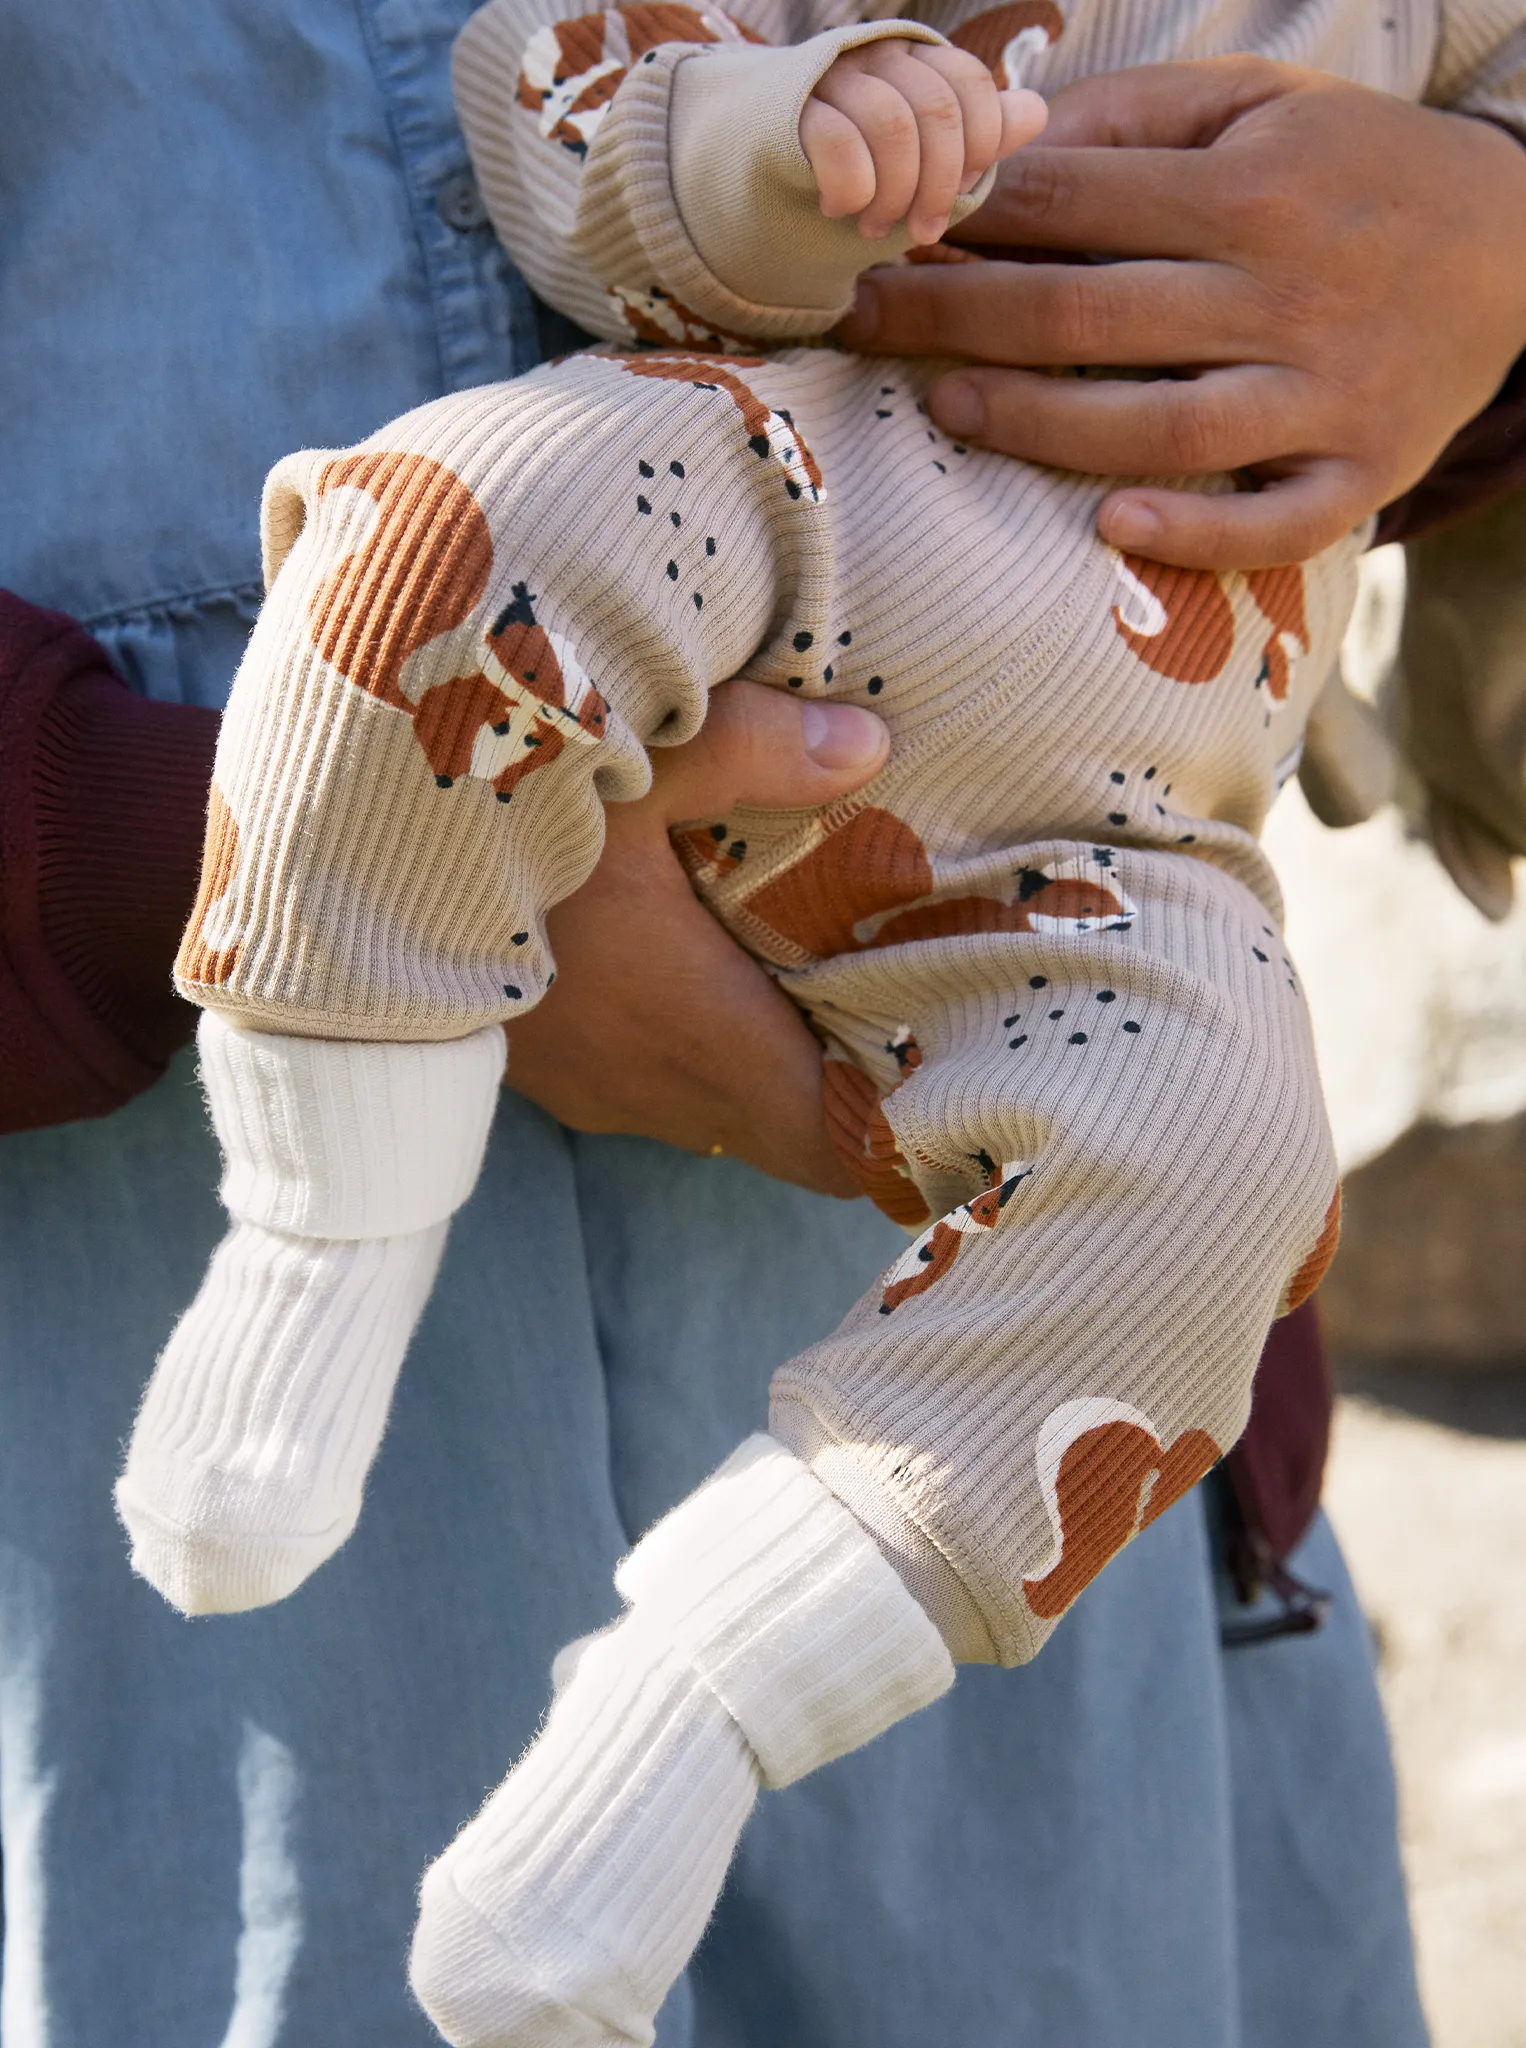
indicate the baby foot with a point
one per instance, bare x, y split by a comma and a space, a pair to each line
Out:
562, 1915
766, 1635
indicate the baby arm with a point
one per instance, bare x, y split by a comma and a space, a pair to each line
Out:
655, 171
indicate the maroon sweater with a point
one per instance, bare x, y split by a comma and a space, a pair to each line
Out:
102, 803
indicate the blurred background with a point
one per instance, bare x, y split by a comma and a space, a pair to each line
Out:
1419, 1008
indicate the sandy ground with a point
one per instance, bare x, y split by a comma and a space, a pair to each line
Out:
1433, 1517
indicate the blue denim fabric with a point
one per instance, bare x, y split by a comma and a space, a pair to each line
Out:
229, 231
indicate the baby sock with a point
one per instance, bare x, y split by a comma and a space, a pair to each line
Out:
344, 1163
765, 1634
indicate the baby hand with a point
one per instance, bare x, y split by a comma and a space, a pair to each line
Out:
896, 130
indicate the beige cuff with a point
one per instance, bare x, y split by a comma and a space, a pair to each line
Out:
700, 156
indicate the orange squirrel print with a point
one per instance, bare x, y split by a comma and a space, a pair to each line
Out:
859, 888
573, 69
420, 572
1007, 39
1181, 622
923, 1264
862, 1136
769, 434
1106, 1474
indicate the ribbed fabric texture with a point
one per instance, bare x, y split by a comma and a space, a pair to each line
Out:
333, 1139
102, 805
250, 1452
343, 1164
1067, 1046
789, 1612
760, 1615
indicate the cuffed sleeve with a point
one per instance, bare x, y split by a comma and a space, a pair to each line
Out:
643, 167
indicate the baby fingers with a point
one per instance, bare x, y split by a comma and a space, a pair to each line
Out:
897, 131
839, 155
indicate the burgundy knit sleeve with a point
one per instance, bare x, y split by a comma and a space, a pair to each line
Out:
102, 804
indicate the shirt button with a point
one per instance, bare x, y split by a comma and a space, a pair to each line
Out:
459, 204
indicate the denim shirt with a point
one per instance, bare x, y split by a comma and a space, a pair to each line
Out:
226, 231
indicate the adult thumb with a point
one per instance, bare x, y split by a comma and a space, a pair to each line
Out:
768, 751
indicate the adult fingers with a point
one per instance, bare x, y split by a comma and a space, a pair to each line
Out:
884, 118
839, 156
771, 752
1288, 520
1223, 420
1107, 202
1060, 313
1185, 105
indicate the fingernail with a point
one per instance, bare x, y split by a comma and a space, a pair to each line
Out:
957, 407
841, 735
863, 321
1129, 525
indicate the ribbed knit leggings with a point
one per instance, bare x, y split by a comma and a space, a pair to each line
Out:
1065, 1044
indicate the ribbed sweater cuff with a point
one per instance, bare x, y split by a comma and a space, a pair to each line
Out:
102, 807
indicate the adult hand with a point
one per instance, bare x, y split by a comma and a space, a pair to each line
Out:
1336, 272
659, 1024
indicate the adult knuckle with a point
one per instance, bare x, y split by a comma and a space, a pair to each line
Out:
1074, 318
1194, 430
1043, 187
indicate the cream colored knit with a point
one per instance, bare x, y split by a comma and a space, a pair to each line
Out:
1066, 1044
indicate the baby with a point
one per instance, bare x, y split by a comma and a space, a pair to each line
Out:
1065, 1046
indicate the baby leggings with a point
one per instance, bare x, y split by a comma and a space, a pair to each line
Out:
1065, 1048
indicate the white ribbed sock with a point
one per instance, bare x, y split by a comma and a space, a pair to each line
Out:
251, 1449
766, 1635
343, 1164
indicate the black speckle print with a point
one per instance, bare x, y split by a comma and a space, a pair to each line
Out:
796, 682
519, 939
826, 673
1259, 954
673, 571
643, 505
1116, 776
710, 545
802, 642
511, 991
444, 782
941, 467
1149, 775
646, 469
1107, 995
675, 469
677, 521
881, 414
1014, 1043
1117, 817
1038, 981
1055, 1016
845, 639
699, 602
1078, 1038
875, 685
1131, 1025
1008, 1022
